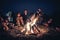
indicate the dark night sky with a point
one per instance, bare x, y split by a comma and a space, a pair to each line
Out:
49, 7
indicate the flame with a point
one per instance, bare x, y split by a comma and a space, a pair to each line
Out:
34, 21
27, 28
30, 24
32, 17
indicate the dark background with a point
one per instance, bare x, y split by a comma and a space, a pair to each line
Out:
49, 7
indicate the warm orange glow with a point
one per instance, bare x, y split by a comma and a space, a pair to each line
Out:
28, 27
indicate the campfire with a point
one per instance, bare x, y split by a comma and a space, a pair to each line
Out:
31, 27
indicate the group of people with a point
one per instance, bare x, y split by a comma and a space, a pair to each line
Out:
21, 20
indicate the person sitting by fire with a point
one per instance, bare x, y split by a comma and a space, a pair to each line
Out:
25, 15
5, 24
19, 20
9, 16
40, 15
46, 24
